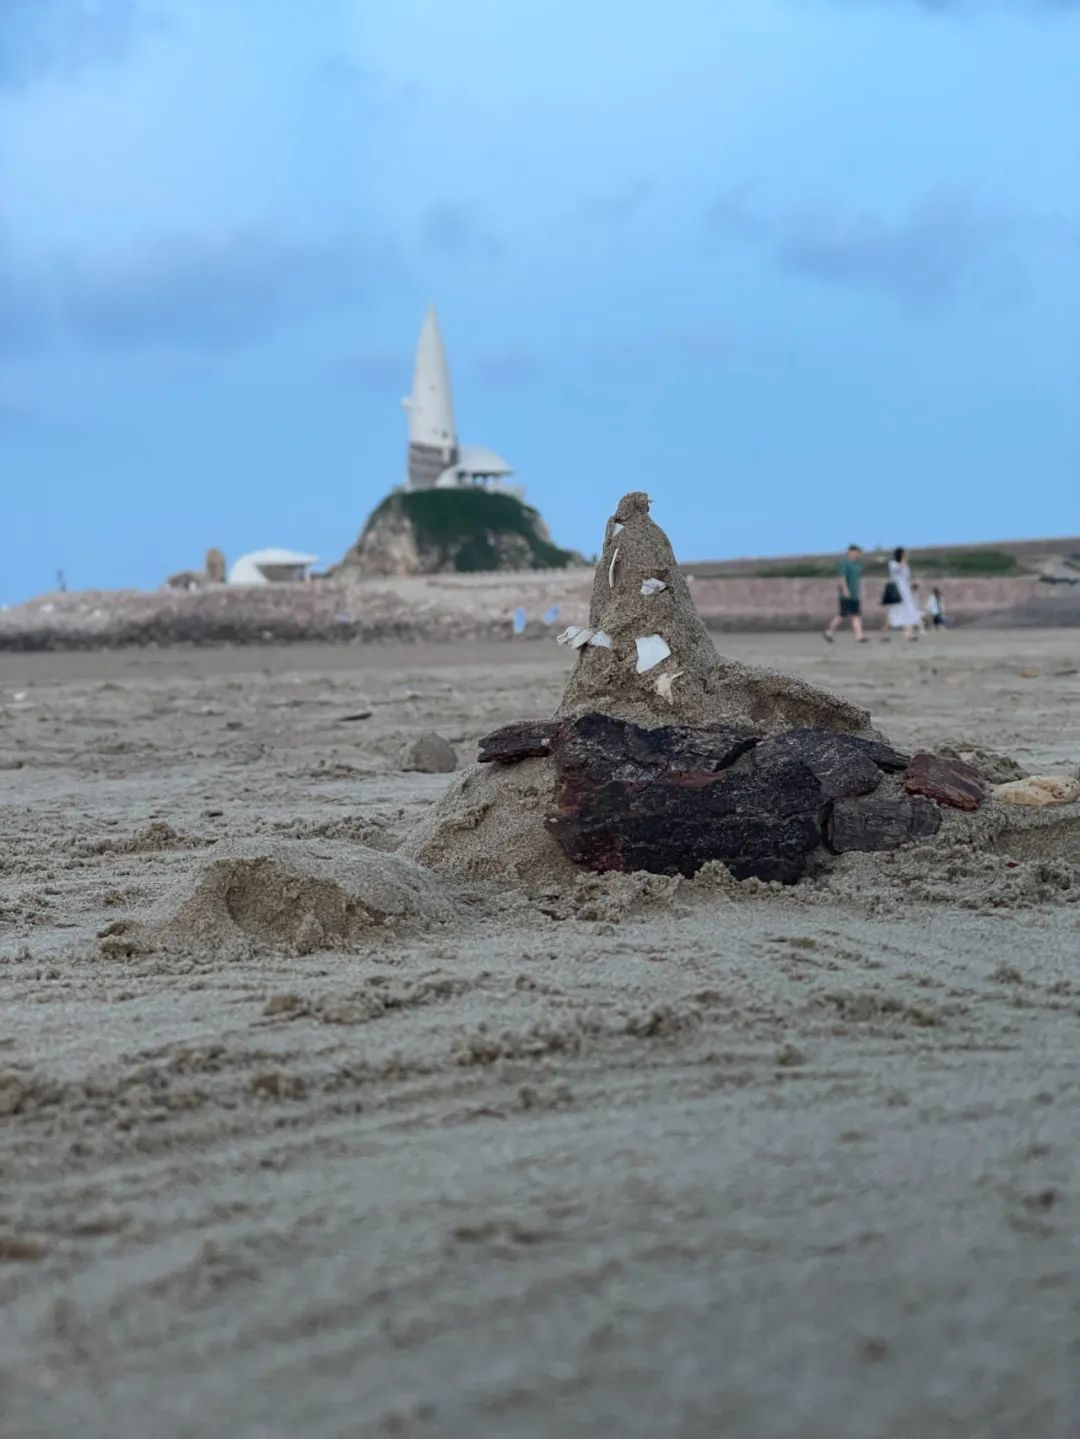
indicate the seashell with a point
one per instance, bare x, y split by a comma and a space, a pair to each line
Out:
569, 635
652, 587
651, 649
664, 683
1040, 789
611, 569
581, 639
601, 640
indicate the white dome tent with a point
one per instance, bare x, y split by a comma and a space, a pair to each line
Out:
269, 567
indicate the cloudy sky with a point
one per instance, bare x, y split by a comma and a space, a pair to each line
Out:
807, 270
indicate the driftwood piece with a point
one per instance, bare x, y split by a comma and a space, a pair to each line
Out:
670, 800
529, 739
596, 741
948, 781
870, 822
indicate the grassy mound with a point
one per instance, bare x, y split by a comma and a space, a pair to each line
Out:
465, 527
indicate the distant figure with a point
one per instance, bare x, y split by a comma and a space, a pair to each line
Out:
849, 605
935, 608
61, 582
520, 620
899, 598
214, 567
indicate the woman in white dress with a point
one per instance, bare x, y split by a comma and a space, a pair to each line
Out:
904, 612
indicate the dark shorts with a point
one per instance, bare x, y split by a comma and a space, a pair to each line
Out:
849, 607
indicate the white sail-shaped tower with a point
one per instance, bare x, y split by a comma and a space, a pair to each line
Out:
432, 437
435, 459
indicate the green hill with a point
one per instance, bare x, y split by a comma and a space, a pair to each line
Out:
466, 531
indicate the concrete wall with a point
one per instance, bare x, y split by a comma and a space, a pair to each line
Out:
739, 603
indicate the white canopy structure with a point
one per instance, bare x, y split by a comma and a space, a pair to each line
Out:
267, 567
474, 465
435, 459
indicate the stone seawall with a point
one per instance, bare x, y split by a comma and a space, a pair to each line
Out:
787, 604
438, 608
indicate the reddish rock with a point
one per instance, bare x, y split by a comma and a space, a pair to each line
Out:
948, 781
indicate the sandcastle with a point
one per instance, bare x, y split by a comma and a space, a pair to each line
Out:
646, 656
664, 756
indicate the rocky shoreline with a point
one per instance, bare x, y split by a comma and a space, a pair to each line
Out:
446, 608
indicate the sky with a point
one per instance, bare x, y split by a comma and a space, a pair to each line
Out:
808, 271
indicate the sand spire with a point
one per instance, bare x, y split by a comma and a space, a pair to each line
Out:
649, 658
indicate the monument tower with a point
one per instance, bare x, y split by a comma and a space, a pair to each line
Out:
435, 459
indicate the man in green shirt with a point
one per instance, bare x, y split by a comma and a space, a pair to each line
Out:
850, 596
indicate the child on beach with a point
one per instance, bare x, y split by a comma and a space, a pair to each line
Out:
935, 608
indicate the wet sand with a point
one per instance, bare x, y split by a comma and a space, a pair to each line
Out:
687, 1165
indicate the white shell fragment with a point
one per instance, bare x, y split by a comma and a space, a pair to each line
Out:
570, 634
611, 569
664, 683
651, 649
617, 528
601, 640
652, 587
581, 639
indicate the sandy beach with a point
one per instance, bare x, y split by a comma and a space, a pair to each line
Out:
632, 1158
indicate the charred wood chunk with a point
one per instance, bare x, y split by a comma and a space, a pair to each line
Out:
949, 781
593, 738
869, 822
892, 761
531, 739
669, 801
840, 766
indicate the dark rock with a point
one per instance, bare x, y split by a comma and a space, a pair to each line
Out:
530, 739
873, 822
595, 739
838, 762
947, 781
892, 761
669, 801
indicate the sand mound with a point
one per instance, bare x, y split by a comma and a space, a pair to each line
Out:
297, 896
489, 825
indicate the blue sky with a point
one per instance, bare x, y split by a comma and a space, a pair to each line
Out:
806, 270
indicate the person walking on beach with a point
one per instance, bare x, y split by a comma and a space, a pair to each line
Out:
850, 596
935, 608
899, 598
